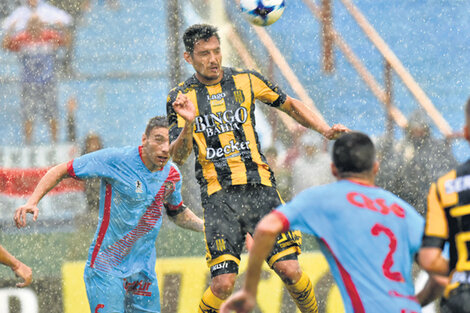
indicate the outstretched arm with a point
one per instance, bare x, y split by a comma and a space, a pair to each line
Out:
21, 270
187, 219
181, 148
306, 117
264, 238
47, 182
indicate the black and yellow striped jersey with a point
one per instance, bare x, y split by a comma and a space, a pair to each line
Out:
225, 141
448, 219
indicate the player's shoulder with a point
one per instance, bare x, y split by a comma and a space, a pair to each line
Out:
120, 151
455, 180
392, 200
174, 172
319, 193
109, 157
239, 71
235, 70
116, 154
185, 86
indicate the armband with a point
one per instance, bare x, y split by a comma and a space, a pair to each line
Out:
173, 210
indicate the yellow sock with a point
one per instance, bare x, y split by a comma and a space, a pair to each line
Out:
210, 303
303, 295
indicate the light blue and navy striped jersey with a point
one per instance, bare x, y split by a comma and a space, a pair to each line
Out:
369, 238
131, 204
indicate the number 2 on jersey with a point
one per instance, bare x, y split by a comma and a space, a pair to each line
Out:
376, 230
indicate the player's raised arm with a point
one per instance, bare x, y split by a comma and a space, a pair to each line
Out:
185, 218
306, 117
47, 182
181, 148
264, 238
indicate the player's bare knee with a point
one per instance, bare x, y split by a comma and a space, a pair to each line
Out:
222, 285
289, 271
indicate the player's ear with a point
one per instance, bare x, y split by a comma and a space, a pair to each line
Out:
144, 139
334, 170
187, 57
466, 133
375, 167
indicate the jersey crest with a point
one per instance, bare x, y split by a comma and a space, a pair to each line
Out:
138, 186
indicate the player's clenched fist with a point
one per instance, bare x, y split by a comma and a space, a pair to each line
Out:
185, 108
20, 214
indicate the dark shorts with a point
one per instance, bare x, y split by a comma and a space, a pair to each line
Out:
458, 300
39, 100
233, 212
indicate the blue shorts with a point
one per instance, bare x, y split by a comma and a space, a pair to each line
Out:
109, 294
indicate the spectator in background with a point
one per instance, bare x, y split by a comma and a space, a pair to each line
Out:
283, 174
71, 126
293, 150
50, 15
7, 6
75, 8
36, 47
423, 159
312, 168
390, 162
20, 270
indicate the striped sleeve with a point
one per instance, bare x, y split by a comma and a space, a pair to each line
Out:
265, 91
436, 231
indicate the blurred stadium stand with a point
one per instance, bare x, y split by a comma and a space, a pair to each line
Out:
121, 64
120, 81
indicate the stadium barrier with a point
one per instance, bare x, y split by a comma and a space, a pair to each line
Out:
182, 282
21, 168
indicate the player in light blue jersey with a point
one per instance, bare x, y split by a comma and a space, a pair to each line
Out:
136, 184
368, 235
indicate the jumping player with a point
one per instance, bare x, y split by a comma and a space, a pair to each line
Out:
368, 235
136, 183
212, 112
448, 220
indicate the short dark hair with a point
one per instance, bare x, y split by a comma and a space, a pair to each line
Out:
353, 153
467, 110
197, 32
157, 121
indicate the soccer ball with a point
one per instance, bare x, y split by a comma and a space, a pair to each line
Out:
262, 12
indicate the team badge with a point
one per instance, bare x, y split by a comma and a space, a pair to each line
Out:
239, 96
138, 187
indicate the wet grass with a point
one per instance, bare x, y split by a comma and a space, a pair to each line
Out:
46, 253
